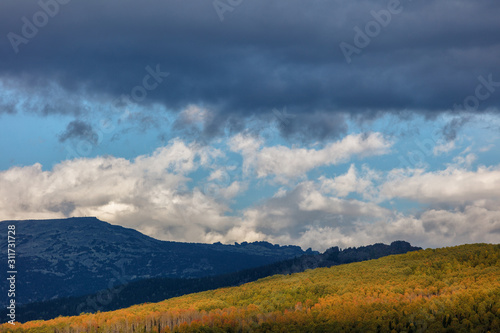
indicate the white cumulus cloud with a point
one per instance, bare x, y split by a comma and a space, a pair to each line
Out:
453, 185
286, 163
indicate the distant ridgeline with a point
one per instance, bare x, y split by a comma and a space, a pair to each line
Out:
78, 256
453, 289
158, 289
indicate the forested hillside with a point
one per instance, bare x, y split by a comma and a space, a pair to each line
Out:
159, 289
82, 255
445, 290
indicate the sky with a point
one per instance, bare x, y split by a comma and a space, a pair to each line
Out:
314, 123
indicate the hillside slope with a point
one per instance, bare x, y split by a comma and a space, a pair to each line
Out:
446, 290
159, 289
78, 256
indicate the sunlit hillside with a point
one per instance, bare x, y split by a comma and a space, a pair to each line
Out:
445, 290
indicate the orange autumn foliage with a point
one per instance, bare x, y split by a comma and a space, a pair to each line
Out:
451, 289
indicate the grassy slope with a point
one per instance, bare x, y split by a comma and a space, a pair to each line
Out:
450, 290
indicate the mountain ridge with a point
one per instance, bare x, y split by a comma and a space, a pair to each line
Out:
159, 289
78, 256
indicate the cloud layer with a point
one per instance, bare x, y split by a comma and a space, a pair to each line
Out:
153, 193
451, 186
297, 106
285, 163
430, 57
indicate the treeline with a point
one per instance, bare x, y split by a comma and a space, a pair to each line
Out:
159, 289
446, 290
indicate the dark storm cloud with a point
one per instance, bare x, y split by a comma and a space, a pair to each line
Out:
453, 126
78, 129
264, 54
301, 125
